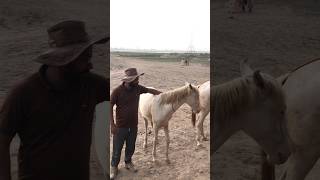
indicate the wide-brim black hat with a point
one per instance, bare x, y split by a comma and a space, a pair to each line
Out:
67, 40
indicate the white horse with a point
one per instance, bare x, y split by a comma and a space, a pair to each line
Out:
158, 109
254, 103
204, 97
185, 62
302, 87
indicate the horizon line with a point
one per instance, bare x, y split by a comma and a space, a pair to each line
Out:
156, 50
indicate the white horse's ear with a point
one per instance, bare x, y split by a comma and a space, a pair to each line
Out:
258, 79
186, 83
282, 79
245, 69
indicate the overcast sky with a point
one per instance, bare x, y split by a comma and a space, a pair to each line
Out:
160, 24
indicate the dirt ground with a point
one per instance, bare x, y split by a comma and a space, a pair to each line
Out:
23, 27
187, 161
276, 38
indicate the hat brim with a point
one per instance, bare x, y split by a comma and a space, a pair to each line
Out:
60, 56
131, 78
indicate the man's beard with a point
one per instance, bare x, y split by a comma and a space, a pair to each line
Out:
133, 85
71, 75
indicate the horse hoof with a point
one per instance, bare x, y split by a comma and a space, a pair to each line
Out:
155, 162
204, 139
200, 146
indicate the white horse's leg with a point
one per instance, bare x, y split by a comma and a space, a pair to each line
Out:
200, 132
299, 164
146, 135
155, 141
204, 138
166, 132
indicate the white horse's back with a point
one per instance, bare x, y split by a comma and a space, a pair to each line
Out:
302, 90
303, 101
204, 93
303, 106
145, 104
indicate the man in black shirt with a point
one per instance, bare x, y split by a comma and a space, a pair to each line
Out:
126, 98
52, 110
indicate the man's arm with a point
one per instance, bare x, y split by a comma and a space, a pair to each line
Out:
154, 91
5, 170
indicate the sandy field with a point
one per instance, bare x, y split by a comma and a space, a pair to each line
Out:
187, 161
23, 27
277, 37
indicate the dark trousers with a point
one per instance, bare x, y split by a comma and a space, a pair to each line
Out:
128, 135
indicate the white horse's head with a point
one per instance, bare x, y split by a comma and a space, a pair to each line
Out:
193, 98
266, 122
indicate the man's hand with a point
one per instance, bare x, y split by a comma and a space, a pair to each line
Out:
154, 91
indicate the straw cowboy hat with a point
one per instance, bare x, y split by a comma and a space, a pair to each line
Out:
67, 41
130, 75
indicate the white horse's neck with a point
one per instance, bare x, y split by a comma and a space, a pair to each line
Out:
175, 105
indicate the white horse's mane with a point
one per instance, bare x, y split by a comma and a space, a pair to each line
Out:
232, 97
177, 95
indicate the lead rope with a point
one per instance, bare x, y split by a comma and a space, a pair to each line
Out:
297, 68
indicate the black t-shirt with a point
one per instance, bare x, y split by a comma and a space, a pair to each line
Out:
54, 127
127, 102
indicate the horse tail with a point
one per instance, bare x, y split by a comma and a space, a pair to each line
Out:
193, 118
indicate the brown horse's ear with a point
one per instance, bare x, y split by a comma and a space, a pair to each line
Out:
190, 86
258, 80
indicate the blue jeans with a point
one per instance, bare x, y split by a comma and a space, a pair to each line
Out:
128, 135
